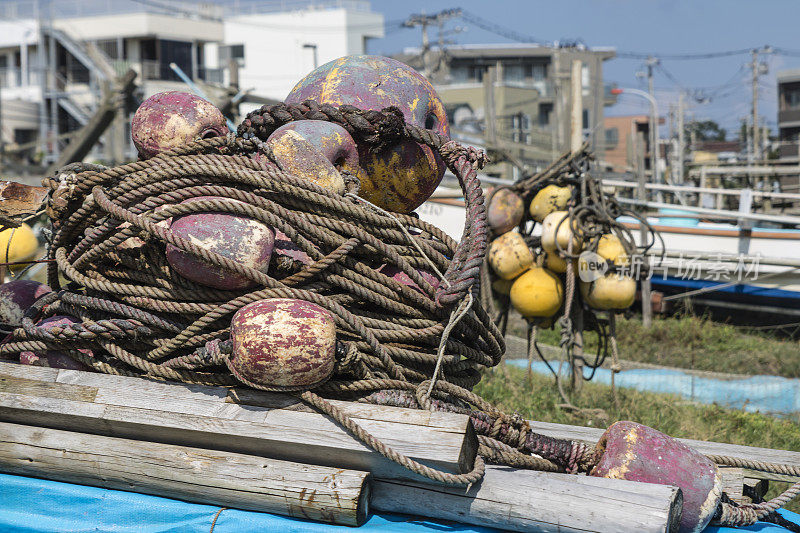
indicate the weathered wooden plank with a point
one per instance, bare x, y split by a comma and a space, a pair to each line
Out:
520, 500
247, 482
42, 388
196, 416
732, 482
767, 455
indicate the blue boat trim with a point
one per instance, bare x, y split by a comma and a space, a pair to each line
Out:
671, 282
765, 394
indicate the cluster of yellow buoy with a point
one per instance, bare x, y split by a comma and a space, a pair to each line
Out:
533, 278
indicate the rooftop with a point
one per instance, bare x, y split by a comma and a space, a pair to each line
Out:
511, 50
60, 9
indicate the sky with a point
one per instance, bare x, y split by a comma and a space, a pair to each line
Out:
657, 27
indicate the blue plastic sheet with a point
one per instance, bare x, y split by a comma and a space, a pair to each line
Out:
765, 394
29, 505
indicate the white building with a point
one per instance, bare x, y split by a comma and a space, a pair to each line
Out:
88, 43
279, 48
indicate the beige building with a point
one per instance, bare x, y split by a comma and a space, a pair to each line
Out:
525, 88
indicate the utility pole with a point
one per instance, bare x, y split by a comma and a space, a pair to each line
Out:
757, 70
756, 144
425, 21
681, 141
651, 62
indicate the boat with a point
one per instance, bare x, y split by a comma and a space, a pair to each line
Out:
732, 261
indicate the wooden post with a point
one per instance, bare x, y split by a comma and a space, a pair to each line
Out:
270, 425
524, 500
647, 309
575, 143
332, 495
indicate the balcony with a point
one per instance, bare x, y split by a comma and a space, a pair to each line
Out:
789, 150
149, 70
789, 115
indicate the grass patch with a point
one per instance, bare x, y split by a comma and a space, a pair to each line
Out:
507, 388
692, 342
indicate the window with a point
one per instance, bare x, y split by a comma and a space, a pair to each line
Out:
545, 110
792, 96
513, 73
612, 138
585, 119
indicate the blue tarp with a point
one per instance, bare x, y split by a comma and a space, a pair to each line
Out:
29, 505
765, 394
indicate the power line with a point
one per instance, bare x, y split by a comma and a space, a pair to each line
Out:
622, 54
502, 31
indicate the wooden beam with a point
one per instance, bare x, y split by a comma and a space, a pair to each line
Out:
524, 500
210, 477
279, 426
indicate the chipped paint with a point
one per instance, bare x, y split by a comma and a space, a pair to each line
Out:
405, 176
282, 342
17, 296
241, 239
638, 453
509, 255
296, 155
173, 118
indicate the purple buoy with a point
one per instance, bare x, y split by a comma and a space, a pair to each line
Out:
401, 178
282, 342
241, 239
171, 119
17, 296
636, 452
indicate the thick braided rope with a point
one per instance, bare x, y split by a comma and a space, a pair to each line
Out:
109, 228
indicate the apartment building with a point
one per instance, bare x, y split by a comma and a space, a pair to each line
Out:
789, 115
56, 63
525, 87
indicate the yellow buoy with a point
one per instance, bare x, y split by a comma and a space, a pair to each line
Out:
509, 255
548, 200
502, 286
555, 262
23, 244
611, 291
610, 248
553, 224
537, 293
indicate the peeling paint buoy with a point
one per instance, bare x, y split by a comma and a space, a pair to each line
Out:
634, 452
241, 239
17, 296
548, 200
171, 119
283, 343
